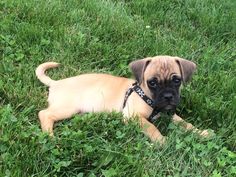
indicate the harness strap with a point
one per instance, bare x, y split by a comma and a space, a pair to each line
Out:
153, 117
127, 94
135, 87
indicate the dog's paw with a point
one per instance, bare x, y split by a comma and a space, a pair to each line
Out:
204, 133
161, 141
207, 133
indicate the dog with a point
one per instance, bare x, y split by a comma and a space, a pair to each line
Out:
157, 78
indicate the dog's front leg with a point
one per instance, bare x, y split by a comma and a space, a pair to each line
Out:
188, 126
151, 131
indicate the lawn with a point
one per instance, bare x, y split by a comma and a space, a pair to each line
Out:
105, 36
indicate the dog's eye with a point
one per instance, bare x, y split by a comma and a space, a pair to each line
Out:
176, 80
153, 83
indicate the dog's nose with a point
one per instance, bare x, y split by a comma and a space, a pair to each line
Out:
168, 96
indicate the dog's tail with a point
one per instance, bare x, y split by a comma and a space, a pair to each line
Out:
40, 72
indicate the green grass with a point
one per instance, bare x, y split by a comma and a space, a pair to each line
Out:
104, 36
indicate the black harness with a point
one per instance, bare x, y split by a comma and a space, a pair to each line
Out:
135, 87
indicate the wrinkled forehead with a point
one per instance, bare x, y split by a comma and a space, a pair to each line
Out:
162, 68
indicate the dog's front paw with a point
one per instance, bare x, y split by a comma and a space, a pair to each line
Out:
207, 133
204, 133
160, 140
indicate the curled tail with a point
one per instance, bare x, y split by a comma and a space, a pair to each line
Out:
40, 72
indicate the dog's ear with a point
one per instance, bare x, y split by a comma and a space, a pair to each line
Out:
138, 67
187, 68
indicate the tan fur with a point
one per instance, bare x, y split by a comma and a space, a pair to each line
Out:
103, 92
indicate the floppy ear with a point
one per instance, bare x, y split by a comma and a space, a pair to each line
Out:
138, 67
187, 68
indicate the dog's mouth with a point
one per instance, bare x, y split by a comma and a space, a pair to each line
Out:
169, 107
166, 107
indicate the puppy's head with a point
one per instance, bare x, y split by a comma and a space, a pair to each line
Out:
161, 77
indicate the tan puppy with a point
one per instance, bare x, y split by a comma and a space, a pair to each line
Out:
159, 77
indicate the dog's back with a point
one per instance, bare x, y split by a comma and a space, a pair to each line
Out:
90, 92
86, 92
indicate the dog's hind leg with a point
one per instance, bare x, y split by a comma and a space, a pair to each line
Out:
46, 121
50, 115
